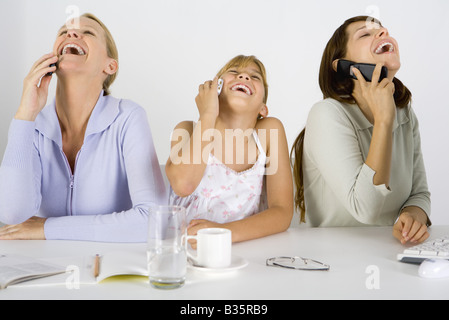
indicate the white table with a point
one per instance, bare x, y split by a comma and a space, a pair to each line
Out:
356, 256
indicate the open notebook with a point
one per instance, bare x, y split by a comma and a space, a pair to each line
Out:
15, 269
71, 271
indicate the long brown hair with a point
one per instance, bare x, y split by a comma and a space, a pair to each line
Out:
340, 89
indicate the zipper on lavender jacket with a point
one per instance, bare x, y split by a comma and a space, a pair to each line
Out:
71, 194
72, 180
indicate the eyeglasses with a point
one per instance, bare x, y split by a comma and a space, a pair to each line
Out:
297, 263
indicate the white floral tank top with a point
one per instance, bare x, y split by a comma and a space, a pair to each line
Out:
225, 195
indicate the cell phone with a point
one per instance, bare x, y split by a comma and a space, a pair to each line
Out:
220, 86
344, 68
50, 73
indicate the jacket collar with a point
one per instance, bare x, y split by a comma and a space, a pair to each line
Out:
103, 115
362, 122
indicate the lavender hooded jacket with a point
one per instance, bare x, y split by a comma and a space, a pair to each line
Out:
116, 178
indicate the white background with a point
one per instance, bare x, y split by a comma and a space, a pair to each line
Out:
168, 47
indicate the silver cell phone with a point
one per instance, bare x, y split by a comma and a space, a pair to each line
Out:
220, 86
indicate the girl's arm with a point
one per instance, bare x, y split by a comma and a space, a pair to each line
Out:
279, 188
185, 166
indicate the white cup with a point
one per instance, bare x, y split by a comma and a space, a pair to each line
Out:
213, 248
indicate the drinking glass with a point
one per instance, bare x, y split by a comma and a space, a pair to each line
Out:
166, 253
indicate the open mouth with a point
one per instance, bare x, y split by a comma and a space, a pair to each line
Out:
242, 88
384, 47
72, 48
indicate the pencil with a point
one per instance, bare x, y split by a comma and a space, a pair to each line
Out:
97, 265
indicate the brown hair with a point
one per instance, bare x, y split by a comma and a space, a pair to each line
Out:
111, 50
296, 160
333, 85
340, 89
242, 61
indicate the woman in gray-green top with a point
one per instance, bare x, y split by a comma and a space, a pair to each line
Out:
359, 162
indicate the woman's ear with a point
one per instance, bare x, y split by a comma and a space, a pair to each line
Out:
334, 64
111, 67
263, 113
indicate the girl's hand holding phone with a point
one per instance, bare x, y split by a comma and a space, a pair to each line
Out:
35, 88
207, 99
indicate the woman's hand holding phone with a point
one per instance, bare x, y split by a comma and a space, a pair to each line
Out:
378, 96
35, 88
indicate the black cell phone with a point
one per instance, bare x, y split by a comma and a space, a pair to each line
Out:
50, 73
344, 68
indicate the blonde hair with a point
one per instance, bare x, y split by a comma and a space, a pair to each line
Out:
242, 61
111, 50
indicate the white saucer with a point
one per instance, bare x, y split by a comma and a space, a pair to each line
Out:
236, 263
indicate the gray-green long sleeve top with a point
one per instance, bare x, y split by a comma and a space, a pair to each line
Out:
339, 188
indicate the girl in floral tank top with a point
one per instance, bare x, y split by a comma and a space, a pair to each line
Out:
220, 181
225, 195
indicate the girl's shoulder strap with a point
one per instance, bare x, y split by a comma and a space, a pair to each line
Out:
256, 139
